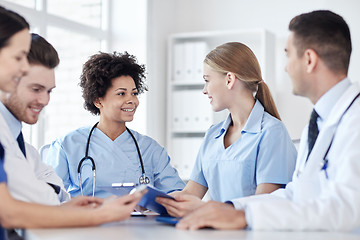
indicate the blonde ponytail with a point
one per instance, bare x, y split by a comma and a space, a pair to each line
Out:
238, 58
264, 96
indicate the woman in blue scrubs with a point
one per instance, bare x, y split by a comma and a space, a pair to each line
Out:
110, 84
248, 153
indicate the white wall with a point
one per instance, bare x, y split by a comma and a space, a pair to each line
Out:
128, 33
166, 17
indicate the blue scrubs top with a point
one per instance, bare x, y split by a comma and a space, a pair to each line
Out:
116, 161
3, 179
263, 154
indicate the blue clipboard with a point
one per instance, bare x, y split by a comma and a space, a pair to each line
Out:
148, 200
168, 220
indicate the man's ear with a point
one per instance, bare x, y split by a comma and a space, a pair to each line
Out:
311, 59
230, 80
97, 103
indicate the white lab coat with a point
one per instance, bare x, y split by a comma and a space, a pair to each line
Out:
28, 177
311, 201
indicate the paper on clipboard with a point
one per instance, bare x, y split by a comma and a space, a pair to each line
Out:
118, 189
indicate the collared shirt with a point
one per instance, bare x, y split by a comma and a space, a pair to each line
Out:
115, 161
14, 124
325, 104
263, 154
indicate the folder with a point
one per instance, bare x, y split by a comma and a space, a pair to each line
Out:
178, 60
189, 61
148, 200
201, 49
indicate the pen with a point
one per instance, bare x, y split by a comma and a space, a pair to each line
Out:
324, 167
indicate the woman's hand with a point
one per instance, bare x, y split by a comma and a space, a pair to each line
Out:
182, 205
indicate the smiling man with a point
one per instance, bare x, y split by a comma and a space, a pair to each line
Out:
28, 178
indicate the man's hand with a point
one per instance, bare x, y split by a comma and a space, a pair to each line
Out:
84, 201
119, 208
216, 215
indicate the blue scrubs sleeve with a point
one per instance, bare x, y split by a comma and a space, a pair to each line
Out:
166, 177
276, 157
2, 180
3, 177
56, 157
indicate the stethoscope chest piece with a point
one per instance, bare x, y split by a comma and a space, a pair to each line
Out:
144, 179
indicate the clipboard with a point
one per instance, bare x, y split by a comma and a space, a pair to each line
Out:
168, 220
148, 200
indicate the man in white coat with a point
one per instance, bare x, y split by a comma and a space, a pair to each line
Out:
325, 191
29, 179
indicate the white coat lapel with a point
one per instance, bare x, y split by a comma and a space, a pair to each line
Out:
302, 153
327, 132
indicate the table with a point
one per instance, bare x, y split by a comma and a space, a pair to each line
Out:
147, 228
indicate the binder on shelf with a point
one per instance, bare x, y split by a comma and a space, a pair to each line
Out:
191, 111
189, 61
185, 150
178, 60
201, 49
177, 111
200, 113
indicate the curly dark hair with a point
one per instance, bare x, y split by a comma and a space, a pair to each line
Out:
99, 71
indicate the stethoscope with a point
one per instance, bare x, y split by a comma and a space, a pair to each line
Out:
325, 160
143, 179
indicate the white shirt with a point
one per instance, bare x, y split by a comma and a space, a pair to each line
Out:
316, 200
27, 177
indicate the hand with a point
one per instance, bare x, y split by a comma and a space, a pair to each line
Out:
182, 205
116, 209
84, 201
216, 215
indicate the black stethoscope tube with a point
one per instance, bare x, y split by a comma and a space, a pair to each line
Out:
143, 179
325, 160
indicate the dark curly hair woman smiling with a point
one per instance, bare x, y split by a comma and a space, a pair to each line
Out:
111, 83
100, 69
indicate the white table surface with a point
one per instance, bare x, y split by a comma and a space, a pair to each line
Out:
148, 228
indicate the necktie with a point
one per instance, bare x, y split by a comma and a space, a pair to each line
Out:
1, 153
20, 140
313, 131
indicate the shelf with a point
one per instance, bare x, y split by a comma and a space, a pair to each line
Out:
187, 83
188, 133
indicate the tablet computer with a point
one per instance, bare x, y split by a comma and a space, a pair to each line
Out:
118, 189
148, 200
